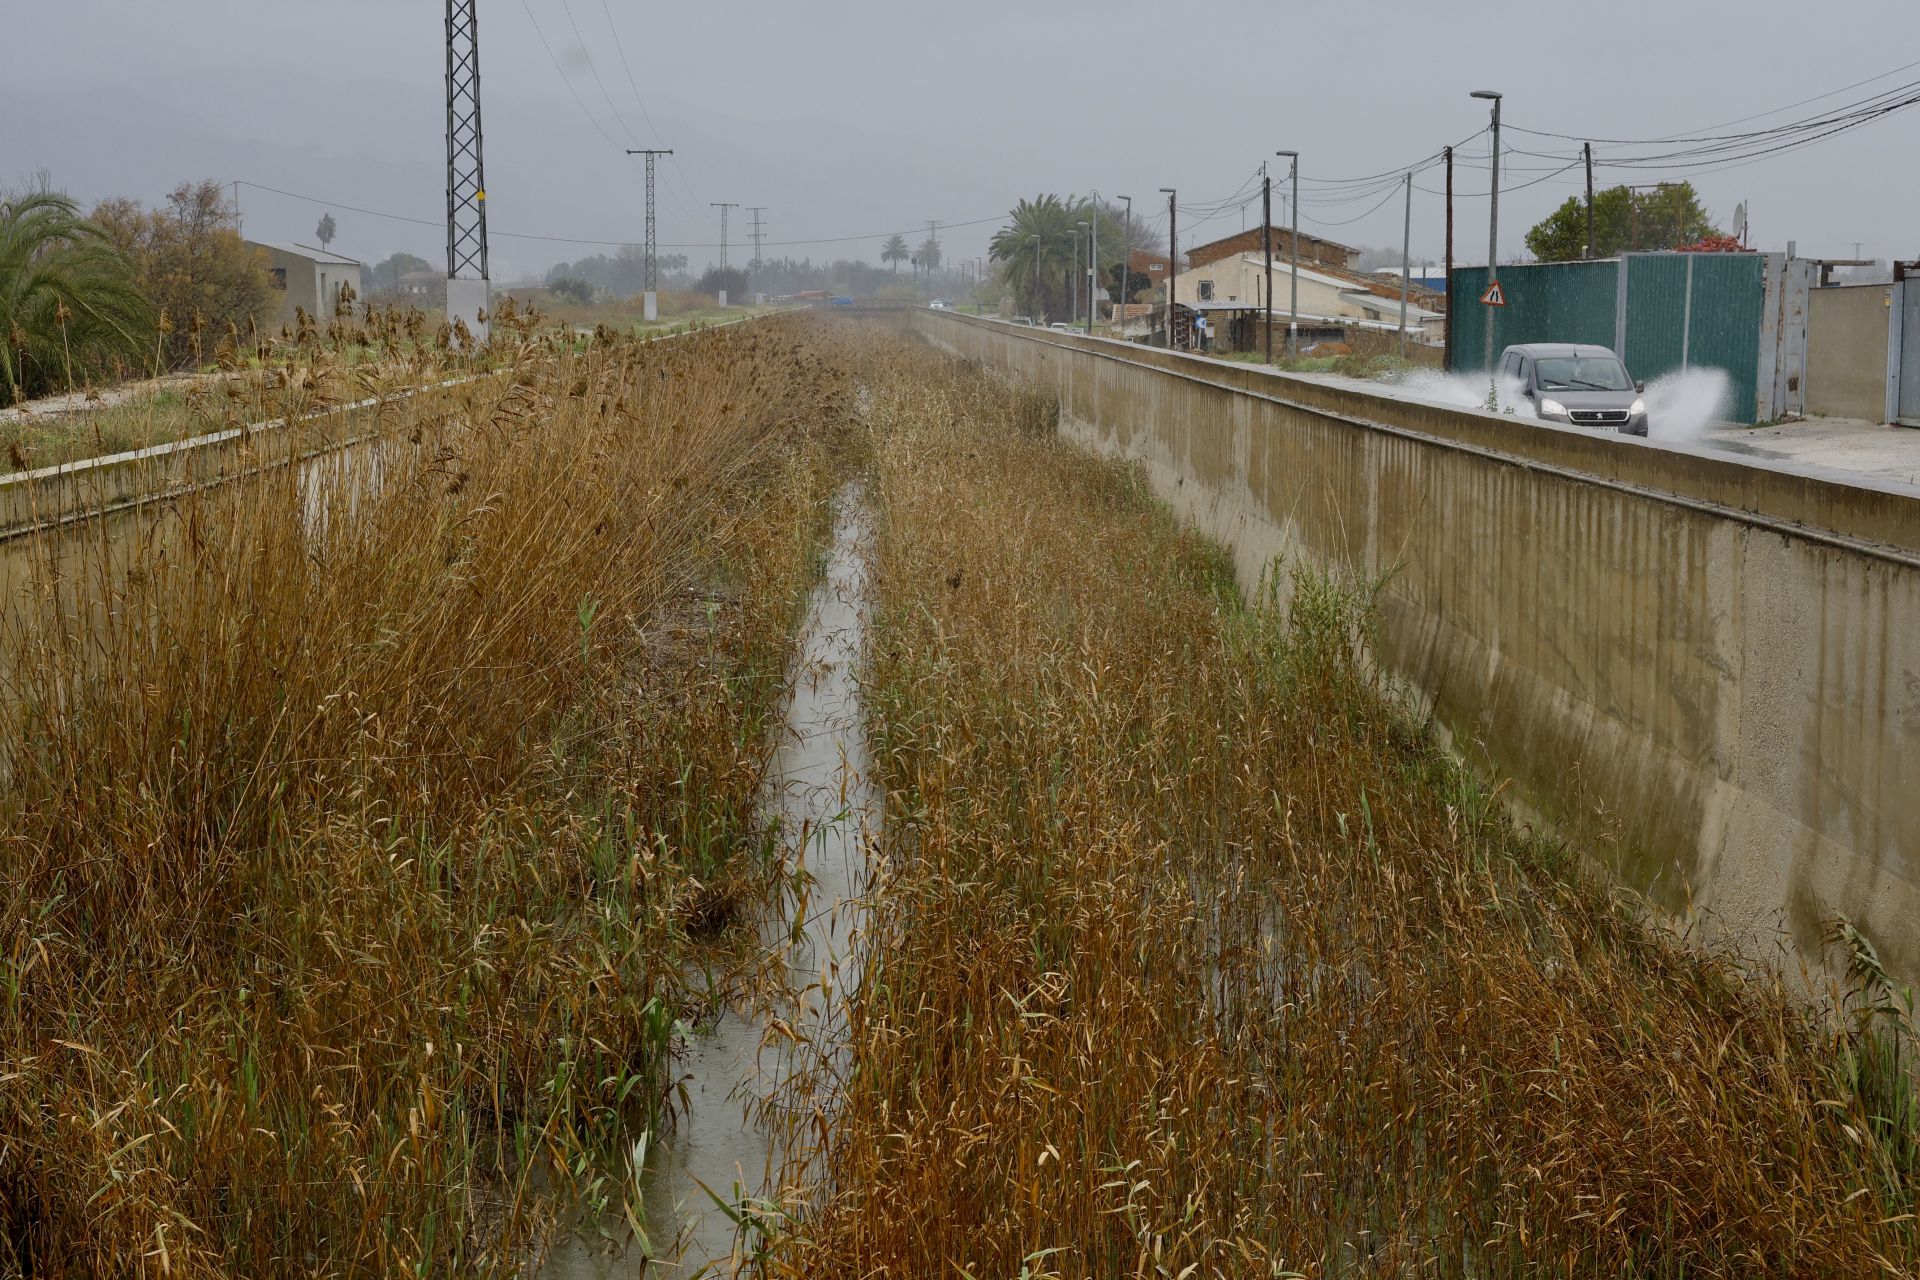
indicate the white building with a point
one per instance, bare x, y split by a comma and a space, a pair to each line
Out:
307, 278
1239, 282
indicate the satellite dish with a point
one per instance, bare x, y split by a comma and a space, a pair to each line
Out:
1740, 221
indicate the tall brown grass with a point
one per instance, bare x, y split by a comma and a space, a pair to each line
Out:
358, 823
248, 379
1195, 958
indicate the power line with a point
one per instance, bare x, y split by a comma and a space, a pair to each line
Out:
1758, 115
632, 84
1729, 150
1424, 162
612, 244
678, 174
1391, 193
565, 78
1757, 133
587, 53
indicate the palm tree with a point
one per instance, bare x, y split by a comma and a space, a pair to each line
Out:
1038, 244
69, 301
895, 251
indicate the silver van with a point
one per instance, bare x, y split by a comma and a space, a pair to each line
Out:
1578, 384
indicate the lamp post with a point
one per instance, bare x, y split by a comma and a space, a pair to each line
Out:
1293, 244
1493, 219
1173, 256
1126, 270
1266, 246
1093, 259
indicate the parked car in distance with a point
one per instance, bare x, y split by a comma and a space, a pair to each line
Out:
1062, 326
842, 301
1579, 384
939, 304
1026, 320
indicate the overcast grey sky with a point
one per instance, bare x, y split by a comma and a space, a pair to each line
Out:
859, 117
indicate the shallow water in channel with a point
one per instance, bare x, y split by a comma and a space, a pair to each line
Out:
820, 798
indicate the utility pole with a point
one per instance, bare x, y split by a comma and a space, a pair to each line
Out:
1453, 311
1266, 241
240, 226
1293, 240
1093, 257
1586, 149
1406, 264
933, 250
1493, 220
466, 179
1076, 272
759, 231
1126, 269
1173, 256
723, 206
650, 304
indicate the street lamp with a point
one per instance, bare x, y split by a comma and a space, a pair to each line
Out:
1293, 243
1173, 256
1493, 220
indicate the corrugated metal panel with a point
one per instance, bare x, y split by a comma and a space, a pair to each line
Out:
1657, 318
1729, 294
1679, 310
1546, 302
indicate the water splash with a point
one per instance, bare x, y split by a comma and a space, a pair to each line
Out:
1681, 405
1467, 391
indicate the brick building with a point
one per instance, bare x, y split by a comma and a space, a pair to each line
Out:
1313, 250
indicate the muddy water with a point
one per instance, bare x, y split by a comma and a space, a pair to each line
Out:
821, 800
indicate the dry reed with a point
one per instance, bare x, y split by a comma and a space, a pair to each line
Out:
1195, 958
359, 822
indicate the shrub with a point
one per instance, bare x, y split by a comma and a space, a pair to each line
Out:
70, 307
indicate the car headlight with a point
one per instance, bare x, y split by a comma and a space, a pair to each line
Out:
1552, 409
1639, 407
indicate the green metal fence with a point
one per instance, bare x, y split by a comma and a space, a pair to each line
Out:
1681, 310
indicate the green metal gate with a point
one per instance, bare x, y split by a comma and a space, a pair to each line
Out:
1679, 310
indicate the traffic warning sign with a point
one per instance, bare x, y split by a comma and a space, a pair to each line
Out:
1493, 297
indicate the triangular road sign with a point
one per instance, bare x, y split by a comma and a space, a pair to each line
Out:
1493, 297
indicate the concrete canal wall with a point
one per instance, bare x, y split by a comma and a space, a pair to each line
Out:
1704, 672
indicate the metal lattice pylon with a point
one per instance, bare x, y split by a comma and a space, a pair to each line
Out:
759, 231
466, 178
723, 206
653, 272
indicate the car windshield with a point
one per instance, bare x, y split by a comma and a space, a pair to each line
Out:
1583, 373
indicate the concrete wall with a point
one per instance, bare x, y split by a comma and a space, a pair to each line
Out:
1706, 673
1847, 351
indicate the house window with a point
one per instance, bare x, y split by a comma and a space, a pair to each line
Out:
277, 277
1206, 291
